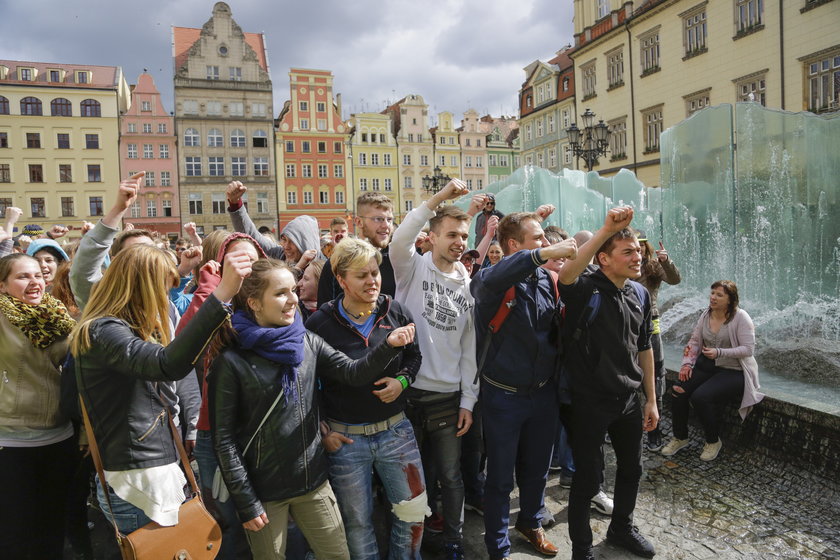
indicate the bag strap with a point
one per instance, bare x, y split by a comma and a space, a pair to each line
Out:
267, 414
507, 305
588, 315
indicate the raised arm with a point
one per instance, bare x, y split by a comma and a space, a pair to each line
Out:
239, 215
492, 224
617, 219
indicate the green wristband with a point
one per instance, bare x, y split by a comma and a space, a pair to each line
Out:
403, 381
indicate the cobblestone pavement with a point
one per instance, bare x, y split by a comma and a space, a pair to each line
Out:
742, 505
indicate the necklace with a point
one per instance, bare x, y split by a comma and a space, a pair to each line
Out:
361, 315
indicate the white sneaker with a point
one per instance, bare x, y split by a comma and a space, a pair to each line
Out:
711, 450
673, 446
602, 503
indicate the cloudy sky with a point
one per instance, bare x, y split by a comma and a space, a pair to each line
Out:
456, 53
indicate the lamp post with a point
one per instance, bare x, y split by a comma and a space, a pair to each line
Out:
591, 142
434, 183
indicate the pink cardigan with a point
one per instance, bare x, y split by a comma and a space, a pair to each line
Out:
742, 338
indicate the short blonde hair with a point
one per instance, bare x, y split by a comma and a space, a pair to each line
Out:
352, 253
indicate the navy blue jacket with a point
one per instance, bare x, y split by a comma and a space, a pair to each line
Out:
521, 354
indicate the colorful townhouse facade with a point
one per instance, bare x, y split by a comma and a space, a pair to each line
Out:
447, 145
224, 121
410, 122
148, 143
59, 141
375, 157
502, 141
473, 142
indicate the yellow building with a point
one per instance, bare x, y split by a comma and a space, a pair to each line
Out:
373, 151
447, 145
645, 66
59, 140
410, 122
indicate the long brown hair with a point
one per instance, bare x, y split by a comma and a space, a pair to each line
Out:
62, 291
731, 290
135, 288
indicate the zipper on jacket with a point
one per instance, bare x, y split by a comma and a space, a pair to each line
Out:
302, 432
342, 321
259, 451
154, 425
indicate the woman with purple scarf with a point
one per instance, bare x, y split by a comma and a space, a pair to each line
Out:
264, 415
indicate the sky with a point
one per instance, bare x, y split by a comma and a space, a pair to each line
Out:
457, 54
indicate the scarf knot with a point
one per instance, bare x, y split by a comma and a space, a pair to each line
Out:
42, 324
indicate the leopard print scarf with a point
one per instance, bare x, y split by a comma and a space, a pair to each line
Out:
43, 324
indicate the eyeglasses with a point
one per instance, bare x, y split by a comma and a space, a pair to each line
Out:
379, 219
491, 203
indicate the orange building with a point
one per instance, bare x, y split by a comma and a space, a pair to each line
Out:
311, 149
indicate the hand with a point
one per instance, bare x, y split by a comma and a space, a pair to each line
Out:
545, 211
710, 353
128, 226
86, 227
307, 257
662, 254
685, 373
402, 336
24, 241
392, 389
189, 446
453, 189
189, 229
256, 523
492, 224
464, 422
4, 235
477, 204
57, 231
237, 267
566, 249
234, 192
189, 260
13, 213
334, 441
421, 237
128, 191
651, 416
618, 218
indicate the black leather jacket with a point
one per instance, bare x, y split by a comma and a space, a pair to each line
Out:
116, 378
286, 459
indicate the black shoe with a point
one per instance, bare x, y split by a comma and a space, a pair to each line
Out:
632, 541
474, 505
454, 552
654, 440
565, 480
583, 553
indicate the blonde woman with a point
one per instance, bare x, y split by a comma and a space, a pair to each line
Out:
123, 347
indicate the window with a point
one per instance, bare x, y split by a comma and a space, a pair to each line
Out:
260, 139
236, 109
290, 146
65, 173
409, 205
419, 136
95, 205
374, 159
322, 147
618, 138
212, 72
363, 183
407, 182
479, 161
406, 159
650, 51
4, 105
195, 203
4, 139
193, 166
151, 208
147, 128
453, 161
258, 109
696, 101
320, 106
615, 68
443, 140
55, 75
165, 180
82, 77
386, 159
410, 137
374, 184
132, 128
443, 160
161, 128
166, 204
323, 170
235, 73
163, 151
492, 160
291, 197
552, 158
528, 132
30, 106
362, 158
61, 107
750, 14
305, 146
36, 173
68, 207
216, 166
540, 127
381, 138
132, 151
324, 197
33, 139
603, 8
63, 140
94, 173
824, 83
339, 197
503, 160
237, 139
424, 160
388, 184
214, 107
694, 39
91, 108
467, 142
92, 141
321, 124
217, 203
588, 73
550, 123
135, 209
191, 137
451, 139
478, 142
306, 170
652, 119
145, 106
467, 161
304, 125
307, 197
261, 166
191, 107
337, 147
338, 171
290, 170
148, 151
25, 74
37, 207
303, 105
215, 138
262, 203
238, 167
752, 88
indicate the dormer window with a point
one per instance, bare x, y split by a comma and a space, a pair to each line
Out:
82, 77
56, 76
26, 74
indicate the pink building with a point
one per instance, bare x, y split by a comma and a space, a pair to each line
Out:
147, 143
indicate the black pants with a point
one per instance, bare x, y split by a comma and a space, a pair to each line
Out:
33, 499
708, 388
591, 419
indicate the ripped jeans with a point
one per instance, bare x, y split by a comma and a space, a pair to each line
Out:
396, 458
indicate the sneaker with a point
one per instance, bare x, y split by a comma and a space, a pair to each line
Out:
654, 440
602, 503
711, 450
565, 480
434, 524
673, 446
632, 541
453, 551
474, 505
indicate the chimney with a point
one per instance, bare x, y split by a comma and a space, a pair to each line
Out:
338, 105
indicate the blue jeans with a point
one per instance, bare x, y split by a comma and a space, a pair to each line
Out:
396, 458
127, 516
519, 433
562, 454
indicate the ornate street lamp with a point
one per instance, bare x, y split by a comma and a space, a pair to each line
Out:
591, 142
434, 183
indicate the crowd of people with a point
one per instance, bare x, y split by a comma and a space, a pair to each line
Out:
311, 373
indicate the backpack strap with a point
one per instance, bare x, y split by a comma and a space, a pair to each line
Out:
508, 303
588, 315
